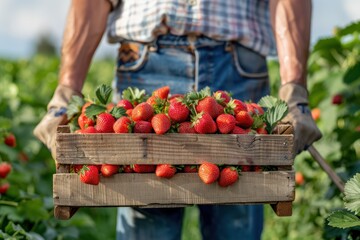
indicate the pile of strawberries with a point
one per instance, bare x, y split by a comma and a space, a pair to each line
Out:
6, 167
202, 112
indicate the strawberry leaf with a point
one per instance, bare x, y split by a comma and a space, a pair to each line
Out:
274, 114
268, 101
134, 95
94, 110
103, 93
343, 219
118, 112
352, 194
74, 107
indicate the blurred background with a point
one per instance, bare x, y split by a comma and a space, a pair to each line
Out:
30, 40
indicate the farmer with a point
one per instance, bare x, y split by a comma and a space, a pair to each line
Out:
188, 45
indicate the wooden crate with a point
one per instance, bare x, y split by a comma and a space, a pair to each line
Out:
146, 190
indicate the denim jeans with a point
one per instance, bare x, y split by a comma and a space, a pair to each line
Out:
186, 64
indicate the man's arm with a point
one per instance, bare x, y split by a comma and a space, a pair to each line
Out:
291, 20
85, 26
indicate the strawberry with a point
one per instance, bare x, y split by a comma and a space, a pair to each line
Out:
244, 119
144, 168
162, 92
152, 100
239, 106
176, 97
222, 97
125, 104
4, 187
104, 123
143, 111
208, 172
186, 127
160, 123
257, 168
207, 105
109, 107
239, 130
228, 176
76, 167
10, 140
219, 109
90, 129
190, 168
107, 170
337, 99
84, 121
245, 168
143, 127
254, 108
203, 123
225, 123
5, 169
316, 113
299, 178
165, 170
83, 108
89, 174
129, 112
123, 125
261, 130
127, 169
178, 111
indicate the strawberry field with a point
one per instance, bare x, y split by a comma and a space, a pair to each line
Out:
26, 203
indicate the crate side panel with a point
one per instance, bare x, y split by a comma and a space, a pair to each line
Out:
183, 188
175, 149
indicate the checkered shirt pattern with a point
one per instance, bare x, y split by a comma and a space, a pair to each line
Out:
244, 21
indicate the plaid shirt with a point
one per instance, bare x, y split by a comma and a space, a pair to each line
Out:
245, 21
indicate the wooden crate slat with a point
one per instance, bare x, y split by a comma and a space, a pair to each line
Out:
183, 188
175, 149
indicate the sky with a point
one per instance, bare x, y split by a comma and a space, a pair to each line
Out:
23, 21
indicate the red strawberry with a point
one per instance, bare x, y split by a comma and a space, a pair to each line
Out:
176, 97
239, 130
178, 111
245, 168
125, 104
337, 99
105, 123
207, 105
208, 172
162, 92
222, 97
160, 123
190, 168
239, 106
261, 130
152, 100
144, 168
108, 170
90, 129
203, 123
186, 127
225, 123
4, 187
254, 108
143, 127
128, 169
10, 140
123, 125
84, 121
219, 110
228, 176
257, 168
129, 112
77, 167
5, 169
244, 119
143, 111
109, 107
165, 170
89, 174
83, 108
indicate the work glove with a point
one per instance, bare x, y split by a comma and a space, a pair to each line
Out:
45, 131
305, 130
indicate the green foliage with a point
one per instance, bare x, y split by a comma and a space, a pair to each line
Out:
276, 109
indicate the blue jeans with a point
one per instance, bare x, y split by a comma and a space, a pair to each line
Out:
187, 64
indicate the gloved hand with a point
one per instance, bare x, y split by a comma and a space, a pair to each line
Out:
305, 130
45, 131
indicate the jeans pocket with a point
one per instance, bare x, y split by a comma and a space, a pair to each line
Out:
131, 57
248, 63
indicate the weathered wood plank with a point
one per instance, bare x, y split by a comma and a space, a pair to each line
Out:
183, 188
175, 149
282, 209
